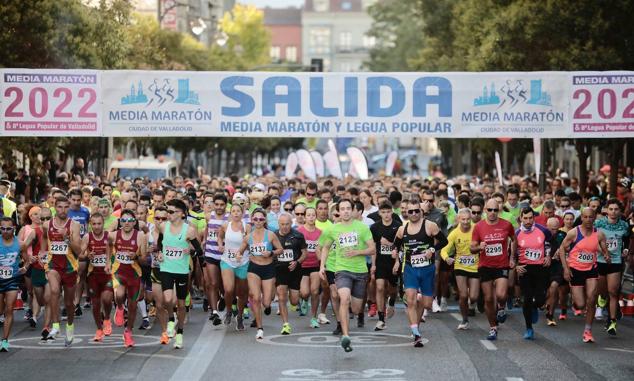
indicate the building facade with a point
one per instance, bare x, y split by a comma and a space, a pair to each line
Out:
285, 27
335, 31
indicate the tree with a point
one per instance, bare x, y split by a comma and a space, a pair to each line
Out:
248, 39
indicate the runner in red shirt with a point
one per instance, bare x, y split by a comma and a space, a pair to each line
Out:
490, 239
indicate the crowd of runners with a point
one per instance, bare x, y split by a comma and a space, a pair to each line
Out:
137, 252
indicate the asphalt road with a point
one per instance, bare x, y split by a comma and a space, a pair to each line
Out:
220, 353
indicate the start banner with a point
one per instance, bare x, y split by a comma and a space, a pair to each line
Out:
259, 104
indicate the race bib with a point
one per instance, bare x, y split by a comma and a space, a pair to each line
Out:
43, 259
350, 239
6, 272
82, 229
212, 236
467, 260
493, 250
59, 248
532, 254
311, 246
99, 260
257, 249
612, 244
124, 258
584, 257
231, 254
173, 253
386, 249
286, 256
419, 260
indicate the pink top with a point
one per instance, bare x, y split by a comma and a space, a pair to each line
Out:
312, 240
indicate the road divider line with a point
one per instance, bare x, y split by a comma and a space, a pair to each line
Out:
195, 365
457, 316
488, 345
514, 379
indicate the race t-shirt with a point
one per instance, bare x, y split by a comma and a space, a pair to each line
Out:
378, 230
312, 243
495, 254
460, 246
531, 244
615, 236
351, 236
81, 216
292, 244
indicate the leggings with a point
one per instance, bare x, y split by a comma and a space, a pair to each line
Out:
534, 284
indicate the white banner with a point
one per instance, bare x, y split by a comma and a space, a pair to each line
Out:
390, 163
332, 164
537, 149
307, 164
358, 163
50, 102
319, 163
291, 165
498, 167
259, 104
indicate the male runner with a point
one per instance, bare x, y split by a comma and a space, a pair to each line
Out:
217, 218
80, 214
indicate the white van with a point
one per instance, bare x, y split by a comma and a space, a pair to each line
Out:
143, 167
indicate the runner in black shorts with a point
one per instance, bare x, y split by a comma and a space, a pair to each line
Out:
558, 287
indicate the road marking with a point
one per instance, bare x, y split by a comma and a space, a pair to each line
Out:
348, 375
619, 350
195, 366
152, 355
514, 379
325, 340
82, 341
457, 316
488, 345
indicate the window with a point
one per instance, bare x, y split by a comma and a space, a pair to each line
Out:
275, 53
369, 41
319, 40
321, 5
345, 41
346, 6
291, 53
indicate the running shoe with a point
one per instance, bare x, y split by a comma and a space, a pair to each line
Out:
601, 302
293, 308
178, 342
361, 320
612, 328
107, 327
128, 341
145, 324
254, 324
240, 324
380, 326
267, 311
443, 304
314, 323
260, 334
323, 319
463, 326
372, 310
587, 336
4, 346
345, 344
164, 338
28, 314
598, 314
228, 316
563, 316
303, 307
246, 313
418, 341
286, 329
45, 333
501, 316
152, 312
577, 312
493, 334
98, 336
119, 319
53, 334
32, 322
551, 322
215, 318
70, 335
221, 304
435, 307
78, 311
337, 330
87, 304
171, 329
529, 334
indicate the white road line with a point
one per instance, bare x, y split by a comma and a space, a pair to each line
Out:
195, 365
152, 355
514, 379
488, 345
457, 316
619, 350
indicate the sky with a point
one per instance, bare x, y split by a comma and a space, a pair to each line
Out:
273, 3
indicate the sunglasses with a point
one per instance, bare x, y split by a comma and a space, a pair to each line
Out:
565, 205
209, 203
6, 229
428, 200
160, 218
413, 211
124, 220
259, 219
290, 210
336, 215
491, 210
311, 194
45, 218
476, 212
170, 211
300, 214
